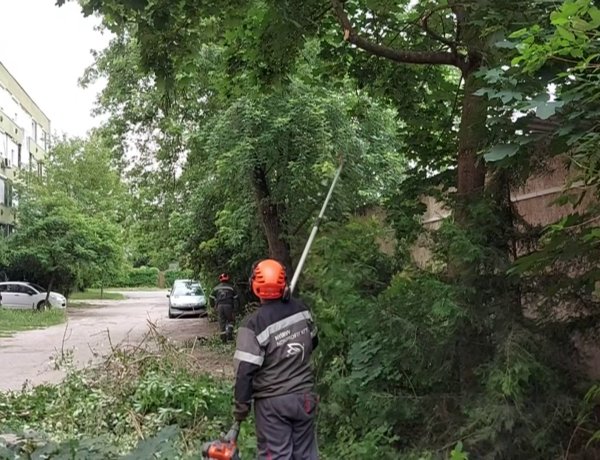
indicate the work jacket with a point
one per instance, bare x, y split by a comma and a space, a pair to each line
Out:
273, 351
224, 294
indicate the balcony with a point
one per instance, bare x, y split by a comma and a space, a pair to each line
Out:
8, 126
7, 169
36, 150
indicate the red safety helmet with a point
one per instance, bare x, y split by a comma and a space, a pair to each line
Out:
223, 277
269, 280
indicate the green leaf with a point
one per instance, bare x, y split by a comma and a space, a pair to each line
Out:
507, 96
594, 13
505, 44
546, 110
558, 19
569, 8
519, 33
501, 151
566, 34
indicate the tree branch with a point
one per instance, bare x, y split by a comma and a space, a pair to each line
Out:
433, 34
407, 57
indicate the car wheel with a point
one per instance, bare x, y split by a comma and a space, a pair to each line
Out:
171, 315
42, 305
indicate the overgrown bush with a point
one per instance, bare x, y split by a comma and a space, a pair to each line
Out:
411, 363
139, 277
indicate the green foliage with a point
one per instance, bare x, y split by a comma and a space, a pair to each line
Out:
58, 246
68, 220
138, 277
107, 412
412, 360
458, 453
397, 366
293, 137
172, 275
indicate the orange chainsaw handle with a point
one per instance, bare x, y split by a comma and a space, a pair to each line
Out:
224, 449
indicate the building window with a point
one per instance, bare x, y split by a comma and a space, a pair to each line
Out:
14, 154
3, 145
24, 158
34, 131
43, 139
8, 194
5, 192
12, 149
6, 229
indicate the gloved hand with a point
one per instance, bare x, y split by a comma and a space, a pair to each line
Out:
241, 411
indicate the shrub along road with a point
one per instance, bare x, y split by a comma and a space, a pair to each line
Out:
89, 334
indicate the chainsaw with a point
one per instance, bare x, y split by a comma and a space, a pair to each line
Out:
225, 448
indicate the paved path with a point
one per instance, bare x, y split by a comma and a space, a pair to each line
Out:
89, 333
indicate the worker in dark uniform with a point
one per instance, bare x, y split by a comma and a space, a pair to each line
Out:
225, 300
272, 367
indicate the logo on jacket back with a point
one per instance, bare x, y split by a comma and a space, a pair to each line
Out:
294, 349
287, 336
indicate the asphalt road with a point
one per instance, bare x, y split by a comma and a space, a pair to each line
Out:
90, 333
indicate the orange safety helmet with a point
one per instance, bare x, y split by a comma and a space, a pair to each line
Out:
269, 280
223, 277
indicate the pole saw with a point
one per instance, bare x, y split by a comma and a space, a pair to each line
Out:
315, 228
226, 448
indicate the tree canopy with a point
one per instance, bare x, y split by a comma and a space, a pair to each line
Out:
68, 233
440, 334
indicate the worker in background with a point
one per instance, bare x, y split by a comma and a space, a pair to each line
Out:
272, 367
225, 301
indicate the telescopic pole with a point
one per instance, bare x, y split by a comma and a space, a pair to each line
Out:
315, 228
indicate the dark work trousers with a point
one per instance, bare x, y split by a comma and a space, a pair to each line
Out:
226, 317
285, 427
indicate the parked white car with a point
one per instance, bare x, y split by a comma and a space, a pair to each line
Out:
186, 298
27, 296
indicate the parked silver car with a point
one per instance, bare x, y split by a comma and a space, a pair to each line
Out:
26, 296
186, 298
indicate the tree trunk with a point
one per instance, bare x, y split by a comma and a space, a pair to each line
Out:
279, 248
46, 301
471, 136
470, 187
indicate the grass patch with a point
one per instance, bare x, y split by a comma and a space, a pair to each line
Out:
23, 320
94, 294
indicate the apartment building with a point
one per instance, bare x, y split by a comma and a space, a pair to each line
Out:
24, 140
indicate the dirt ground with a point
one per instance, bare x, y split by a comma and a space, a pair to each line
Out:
92, 332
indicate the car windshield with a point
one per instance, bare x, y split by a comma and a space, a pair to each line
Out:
37, 287
187, 289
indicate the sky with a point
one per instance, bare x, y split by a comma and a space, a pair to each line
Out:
49, 62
